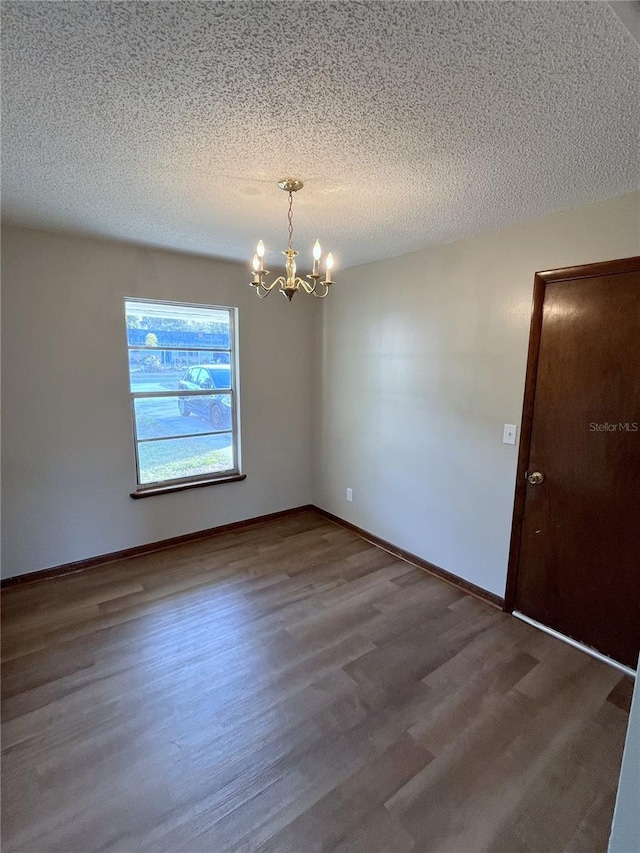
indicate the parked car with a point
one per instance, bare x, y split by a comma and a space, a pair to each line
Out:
204, 377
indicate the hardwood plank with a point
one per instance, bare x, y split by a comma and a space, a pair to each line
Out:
290, 687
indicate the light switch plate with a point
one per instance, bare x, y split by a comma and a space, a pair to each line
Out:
509, 434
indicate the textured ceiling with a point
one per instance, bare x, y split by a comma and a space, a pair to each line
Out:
412, 124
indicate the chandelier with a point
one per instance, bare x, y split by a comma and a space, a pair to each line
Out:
290, 283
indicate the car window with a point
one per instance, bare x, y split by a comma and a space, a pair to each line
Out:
204, 380
222, 378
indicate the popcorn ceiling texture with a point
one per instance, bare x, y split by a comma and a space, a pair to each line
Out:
411, 124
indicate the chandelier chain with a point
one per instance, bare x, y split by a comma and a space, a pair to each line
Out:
290, 220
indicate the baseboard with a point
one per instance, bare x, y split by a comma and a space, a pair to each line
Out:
425, 565
163, 544
149, 548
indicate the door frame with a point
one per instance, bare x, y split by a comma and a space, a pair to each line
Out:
540, 283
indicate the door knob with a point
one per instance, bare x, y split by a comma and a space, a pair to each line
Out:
535, 478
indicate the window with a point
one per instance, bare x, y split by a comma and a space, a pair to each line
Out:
184, 393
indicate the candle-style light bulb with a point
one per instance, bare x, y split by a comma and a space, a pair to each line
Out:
260, 254
317, 251
329, 264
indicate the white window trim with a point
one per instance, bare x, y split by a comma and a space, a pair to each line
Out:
180, 483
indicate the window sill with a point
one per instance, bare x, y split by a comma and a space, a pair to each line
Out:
181, 487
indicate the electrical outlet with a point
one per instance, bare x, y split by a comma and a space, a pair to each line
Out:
349, 494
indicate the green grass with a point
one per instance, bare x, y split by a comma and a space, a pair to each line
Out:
150, 427
187, 457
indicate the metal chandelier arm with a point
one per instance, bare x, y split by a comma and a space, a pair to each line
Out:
309, 288
267, 288
313, 289
327, 287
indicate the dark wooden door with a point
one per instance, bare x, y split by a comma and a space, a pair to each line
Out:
576, 566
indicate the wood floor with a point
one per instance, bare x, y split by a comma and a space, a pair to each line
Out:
292, 688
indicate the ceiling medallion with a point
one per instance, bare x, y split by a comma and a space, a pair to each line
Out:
290, 283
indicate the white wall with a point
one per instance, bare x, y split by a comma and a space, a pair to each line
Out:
68, 459
423, 362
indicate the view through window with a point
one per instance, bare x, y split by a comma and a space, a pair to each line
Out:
182, 369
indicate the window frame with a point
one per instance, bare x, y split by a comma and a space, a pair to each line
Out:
197, 480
